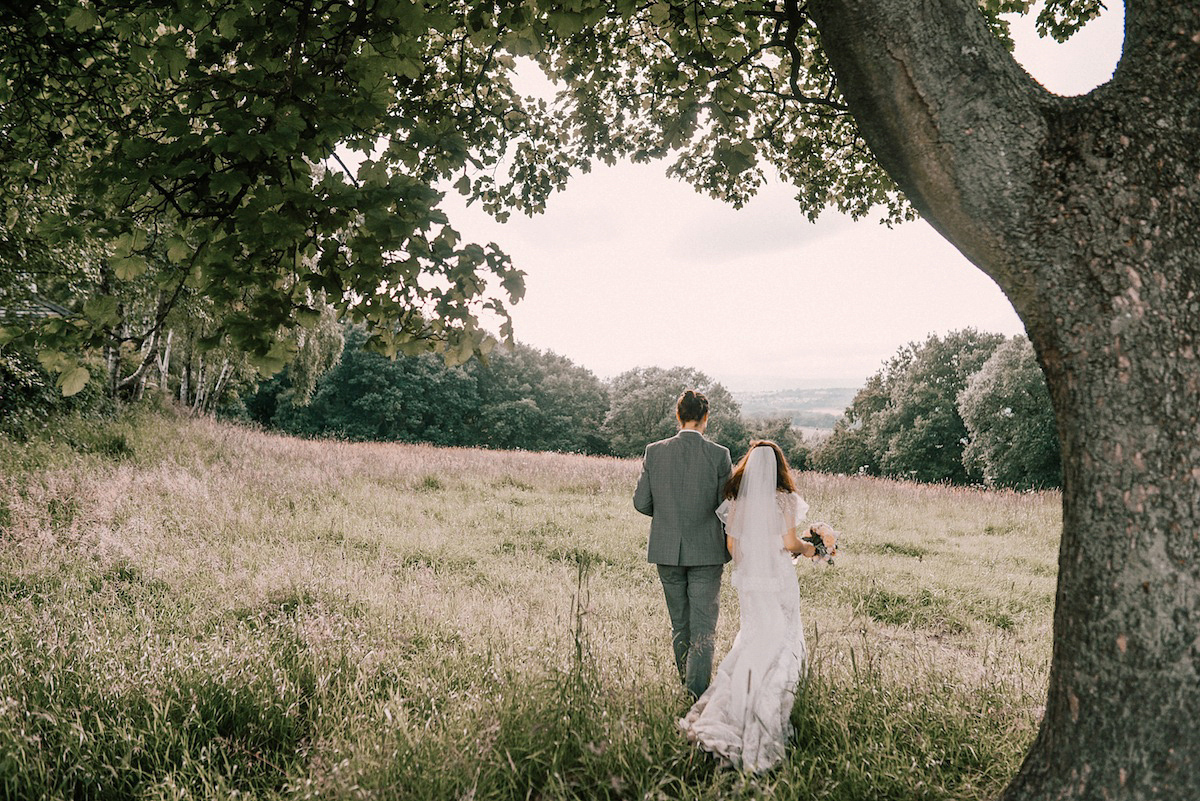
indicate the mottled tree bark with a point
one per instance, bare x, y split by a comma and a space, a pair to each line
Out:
1086, 211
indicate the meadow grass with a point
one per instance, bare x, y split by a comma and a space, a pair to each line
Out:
196, 610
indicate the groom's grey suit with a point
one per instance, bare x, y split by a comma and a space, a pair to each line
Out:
680, 487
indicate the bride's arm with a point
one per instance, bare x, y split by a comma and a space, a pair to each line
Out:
795, 545
797, 509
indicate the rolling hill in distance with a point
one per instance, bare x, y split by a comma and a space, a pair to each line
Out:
808, 408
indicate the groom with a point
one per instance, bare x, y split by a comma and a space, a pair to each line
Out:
681, 486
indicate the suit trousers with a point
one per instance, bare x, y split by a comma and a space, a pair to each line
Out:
692, 595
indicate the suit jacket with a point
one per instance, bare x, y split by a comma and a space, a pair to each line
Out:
681, 485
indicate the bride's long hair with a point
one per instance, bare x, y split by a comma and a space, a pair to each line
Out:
783, 473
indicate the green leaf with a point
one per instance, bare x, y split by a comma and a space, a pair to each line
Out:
226, 182
102, 310
409, 68
82, 19
736, 161
130, 267
72, 381
227, 26
461, 351
566, 23
53, 361
524, 43
270, 363
174, 59
307, 316
514, 285
177, 250
7, 335
128, 243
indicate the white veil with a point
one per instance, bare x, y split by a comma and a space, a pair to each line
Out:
757, 524
769, 650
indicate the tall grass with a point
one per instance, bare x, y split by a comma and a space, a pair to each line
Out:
193, 610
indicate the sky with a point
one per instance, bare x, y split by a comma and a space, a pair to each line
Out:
628, 268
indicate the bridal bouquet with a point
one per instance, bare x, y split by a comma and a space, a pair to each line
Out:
822, 537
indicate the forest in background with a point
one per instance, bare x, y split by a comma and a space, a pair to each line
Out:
967, 408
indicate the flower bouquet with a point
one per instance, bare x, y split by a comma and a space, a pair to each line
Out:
824, 539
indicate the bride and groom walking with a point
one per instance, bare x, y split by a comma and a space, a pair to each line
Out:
703, 512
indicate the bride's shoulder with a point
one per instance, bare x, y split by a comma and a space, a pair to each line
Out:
794, 506
786, 499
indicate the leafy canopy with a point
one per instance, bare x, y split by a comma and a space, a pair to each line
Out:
262, 154
200, 148
1010, 421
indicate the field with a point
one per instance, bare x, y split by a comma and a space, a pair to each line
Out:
195, 610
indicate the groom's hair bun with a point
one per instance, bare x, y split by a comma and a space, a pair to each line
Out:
691, 407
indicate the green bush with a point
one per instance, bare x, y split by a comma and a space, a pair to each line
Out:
29, 399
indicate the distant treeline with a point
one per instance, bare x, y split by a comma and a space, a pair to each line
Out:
521, 398
969, 408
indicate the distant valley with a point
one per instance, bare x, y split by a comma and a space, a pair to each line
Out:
808, 408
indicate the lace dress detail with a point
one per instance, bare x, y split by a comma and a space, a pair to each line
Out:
744, 716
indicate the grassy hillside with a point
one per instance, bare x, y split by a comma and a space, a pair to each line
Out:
189, 609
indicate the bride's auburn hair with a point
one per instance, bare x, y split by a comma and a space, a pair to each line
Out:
783, 473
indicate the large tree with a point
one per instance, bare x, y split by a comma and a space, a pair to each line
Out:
197, 139
1086, 212
538, 400
205, 148
642, 409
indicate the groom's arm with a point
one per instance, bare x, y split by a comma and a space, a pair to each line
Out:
643, 500
723, 474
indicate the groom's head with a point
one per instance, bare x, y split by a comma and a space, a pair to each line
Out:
692, 408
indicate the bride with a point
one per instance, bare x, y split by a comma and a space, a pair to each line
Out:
744, 716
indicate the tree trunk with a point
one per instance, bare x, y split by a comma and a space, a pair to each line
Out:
185, 376
112, 367
164, 365
214, 397
1086, 211
201, 385
137, 378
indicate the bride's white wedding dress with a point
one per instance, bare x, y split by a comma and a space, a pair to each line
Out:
744, 715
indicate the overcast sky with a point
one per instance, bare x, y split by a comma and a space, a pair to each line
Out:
628, 268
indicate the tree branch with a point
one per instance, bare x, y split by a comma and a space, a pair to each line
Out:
946, 110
